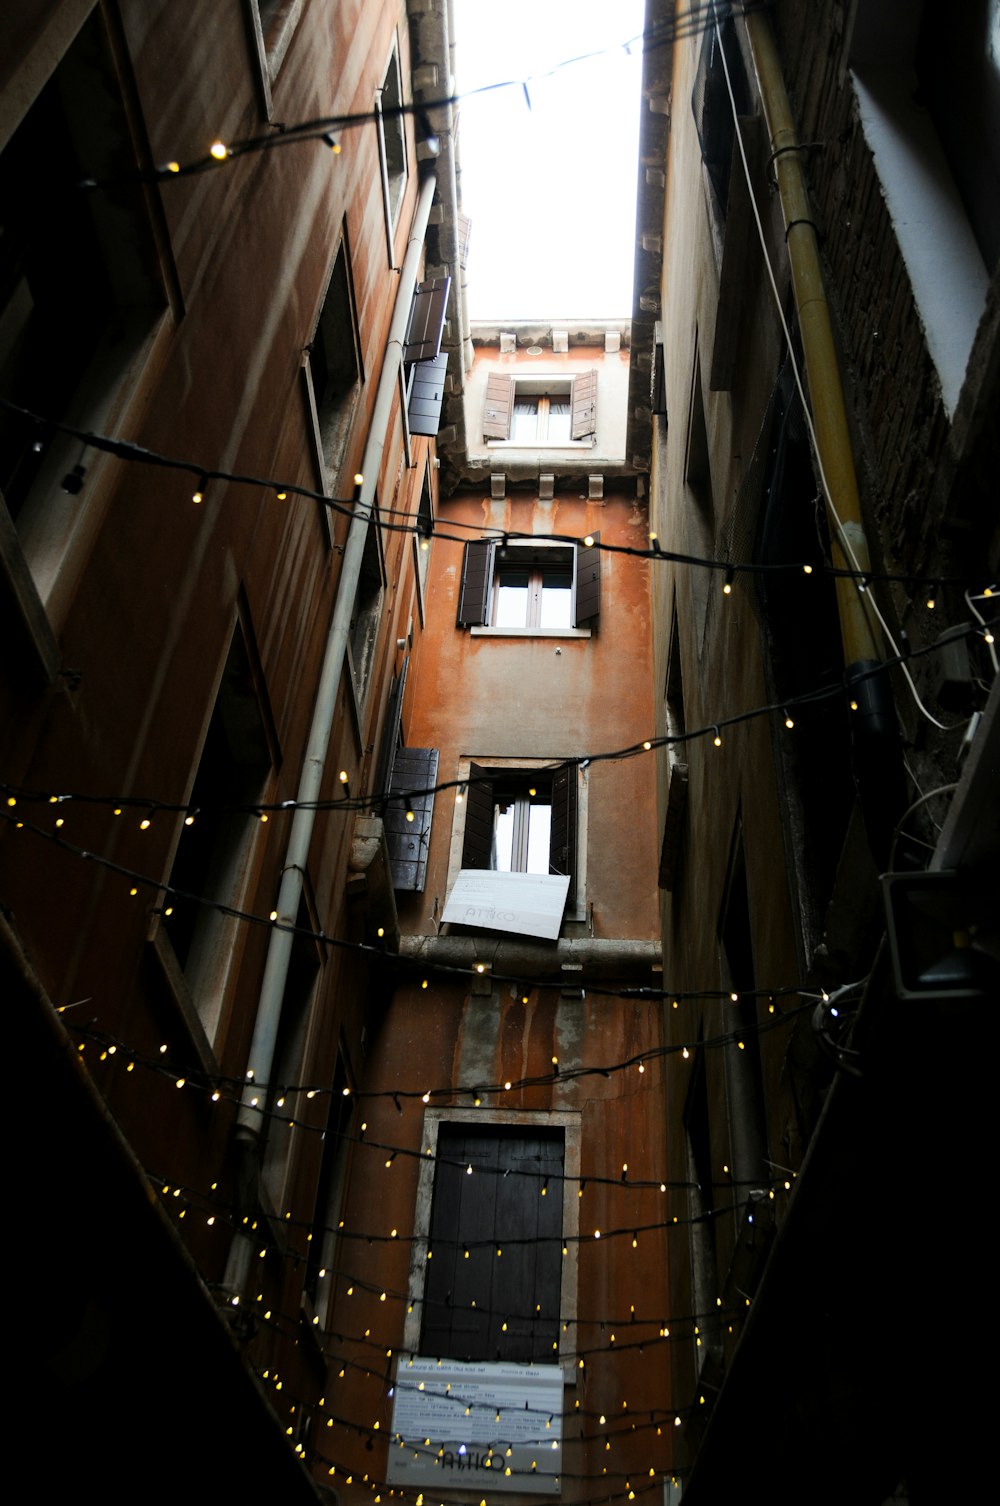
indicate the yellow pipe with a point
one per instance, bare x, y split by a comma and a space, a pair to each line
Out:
859, 631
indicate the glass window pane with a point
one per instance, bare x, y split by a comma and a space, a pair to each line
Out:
557, 597
539, 827
503, 838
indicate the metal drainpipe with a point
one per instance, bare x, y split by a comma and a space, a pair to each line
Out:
877, 755
279, 953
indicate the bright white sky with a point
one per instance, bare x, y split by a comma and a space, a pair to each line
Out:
550, 190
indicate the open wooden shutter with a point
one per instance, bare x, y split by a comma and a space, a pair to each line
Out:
477, 846
562, 837
426, 324
499, 407
423, 411
414, 776
477, 578
476, 1307
584, 405
586, 583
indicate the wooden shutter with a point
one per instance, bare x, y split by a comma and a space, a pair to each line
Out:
477, 579
423, 411
470, 1295
414, 776
499, 407
584, 405
586, 583
562, 837
426, 324
477, 846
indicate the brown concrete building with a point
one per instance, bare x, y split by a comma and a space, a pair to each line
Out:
832, 166
190, 661
518, 1045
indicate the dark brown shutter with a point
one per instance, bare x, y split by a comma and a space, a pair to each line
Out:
499, 407
423, 412
414, 776
477, 846
477, 578
423, 332
584, 405
586, 583
562, 837
477, 1307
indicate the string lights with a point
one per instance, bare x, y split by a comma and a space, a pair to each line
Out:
392, 521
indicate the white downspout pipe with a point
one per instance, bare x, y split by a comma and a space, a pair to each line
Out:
265, 1035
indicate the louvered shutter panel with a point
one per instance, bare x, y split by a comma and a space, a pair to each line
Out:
477, 846
562, 837
423, 412
499, 407
477, 578
414, 776
586, 583
584, 405
424, 330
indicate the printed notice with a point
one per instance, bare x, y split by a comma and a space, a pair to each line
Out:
498, 1425
530, 904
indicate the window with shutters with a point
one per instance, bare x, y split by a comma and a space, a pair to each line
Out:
519, 819
541, 412
495, 1188
528, 588
466, 1302
81, 294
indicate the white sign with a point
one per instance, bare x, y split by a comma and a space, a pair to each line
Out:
531, 904
496, 1427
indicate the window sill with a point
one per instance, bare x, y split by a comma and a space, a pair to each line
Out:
529, 632
533, 445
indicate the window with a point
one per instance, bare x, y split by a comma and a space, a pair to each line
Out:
527, 587
80, 294
677, 766
929, 103
333, 371
744, 1082
541, 410
422, 541
272, 24
305, 966
476, 1306
713, 111
318, 1284
367, 610
390, 123
519, 821
214, 852
542, 417
533, 588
